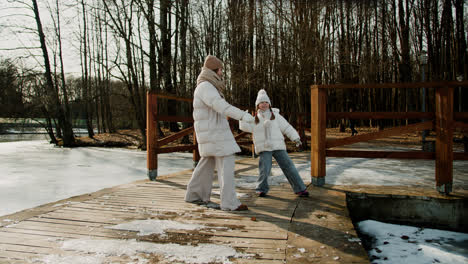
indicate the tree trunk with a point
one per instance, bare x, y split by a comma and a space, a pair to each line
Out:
85, 77
166, 56
68, 139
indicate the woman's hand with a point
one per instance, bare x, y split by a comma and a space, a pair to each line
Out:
247, 118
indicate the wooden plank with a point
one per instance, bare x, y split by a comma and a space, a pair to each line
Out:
156, 209
93, 218
144, 200
63, 221
7, 260
29, 249
259, 261
379, 134
172, 97
266, 254
460, 156
461, 126
250, 242
150, 192
166, 118
380, 115
237, 233
241, 135
149, 208
27, 237
20, 240
68, 229
460, 115
22, 232
444, 139
381, 154
14, 256
175, 136
318, 135
175, 149
441, 84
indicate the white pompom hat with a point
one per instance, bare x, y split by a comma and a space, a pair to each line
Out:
262, 97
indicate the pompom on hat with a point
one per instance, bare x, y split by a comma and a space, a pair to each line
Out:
212, 63
262, 97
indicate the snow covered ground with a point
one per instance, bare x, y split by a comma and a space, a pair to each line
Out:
35, 172
396, 244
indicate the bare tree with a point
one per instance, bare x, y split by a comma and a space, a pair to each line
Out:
121, 17
61, 114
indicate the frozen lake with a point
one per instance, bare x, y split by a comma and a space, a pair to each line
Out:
36, 172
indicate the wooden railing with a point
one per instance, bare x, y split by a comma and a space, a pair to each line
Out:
156, 146
444, 121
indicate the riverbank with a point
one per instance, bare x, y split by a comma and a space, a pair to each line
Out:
131, 138
123, 138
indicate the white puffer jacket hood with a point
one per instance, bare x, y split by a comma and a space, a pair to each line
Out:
214, 136
274, 139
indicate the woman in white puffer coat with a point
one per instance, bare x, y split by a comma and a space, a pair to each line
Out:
216, 143
268, 130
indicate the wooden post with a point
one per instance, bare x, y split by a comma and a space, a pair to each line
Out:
444, 139
151, 135
318, 124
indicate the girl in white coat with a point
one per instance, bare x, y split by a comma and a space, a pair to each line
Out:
268, 129
216, 143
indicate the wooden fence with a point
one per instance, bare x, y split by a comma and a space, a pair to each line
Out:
156, 146
444, 121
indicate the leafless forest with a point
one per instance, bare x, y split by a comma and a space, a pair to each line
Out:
129, 47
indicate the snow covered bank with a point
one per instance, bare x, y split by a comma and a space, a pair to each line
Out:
395, 244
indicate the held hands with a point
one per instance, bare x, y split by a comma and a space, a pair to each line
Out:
247, 117
298, 142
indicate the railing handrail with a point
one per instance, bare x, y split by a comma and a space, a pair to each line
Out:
170, 96
435, 84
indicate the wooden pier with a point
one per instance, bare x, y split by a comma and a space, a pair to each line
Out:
280, 228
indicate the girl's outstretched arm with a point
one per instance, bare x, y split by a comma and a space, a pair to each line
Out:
246, 126
286, 128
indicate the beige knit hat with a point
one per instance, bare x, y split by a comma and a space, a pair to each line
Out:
212, 63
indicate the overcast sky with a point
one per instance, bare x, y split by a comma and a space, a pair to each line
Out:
19, 38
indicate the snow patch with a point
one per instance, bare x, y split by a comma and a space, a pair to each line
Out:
407, 244
153, 226
203, 253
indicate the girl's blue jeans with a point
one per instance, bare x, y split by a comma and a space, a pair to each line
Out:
286, 165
